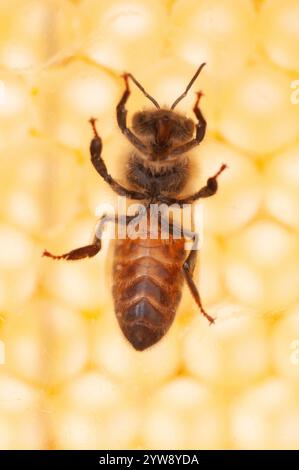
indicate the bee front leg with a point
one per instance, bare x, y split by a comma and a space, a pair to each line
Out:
200, 130
121, 115
201, 122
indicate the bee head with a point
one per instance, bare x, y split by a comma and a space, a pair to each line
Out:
163, 127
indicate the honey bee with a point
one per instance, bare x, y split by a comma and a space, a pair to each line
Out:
148, 273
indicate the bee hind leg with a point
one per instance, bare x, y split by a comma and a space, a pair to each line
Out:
87, 251
188, 268
83, 252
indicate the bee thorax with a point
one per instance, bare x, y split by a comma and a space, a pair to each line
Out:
167, 177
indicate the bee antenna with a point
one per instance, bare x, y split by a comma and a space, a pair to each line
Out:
143, 90
189, 85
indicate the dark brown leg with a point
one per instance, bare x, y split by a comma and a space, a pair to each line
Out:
121, 114
176, 230
189, 264
91, 250
188, 269
83, 252
200, 130
100, 166
192, 257
202, 123
86, 251
209, 190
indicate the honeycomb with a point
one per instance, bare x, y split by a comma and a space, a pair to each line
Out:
68, 378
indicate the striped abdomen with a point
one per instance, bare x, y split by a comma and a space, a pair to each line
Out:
147, 287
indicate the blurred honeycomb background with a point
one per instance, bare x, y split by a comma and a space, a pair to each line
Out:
68, 378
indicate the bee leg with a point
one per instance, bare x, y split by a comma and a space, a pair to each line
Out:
121, 114
83, 252
86, 251
100, 166
190, 262
201, 122
209, 190
200, 129
188, 269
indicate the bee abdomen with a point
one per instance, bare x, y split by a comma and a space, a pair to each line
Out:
143, 324
146, 295
145, 287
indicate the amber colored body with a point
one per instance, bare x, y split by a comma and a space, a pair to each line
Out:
148, 273
147, 287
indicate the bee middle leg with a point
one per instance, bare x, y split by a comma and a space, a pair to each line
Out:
208, 190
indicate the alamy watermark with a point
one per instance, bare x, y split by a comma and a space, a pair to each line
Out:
2, 353
295, 94
2, 92
294, 356
151, 221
